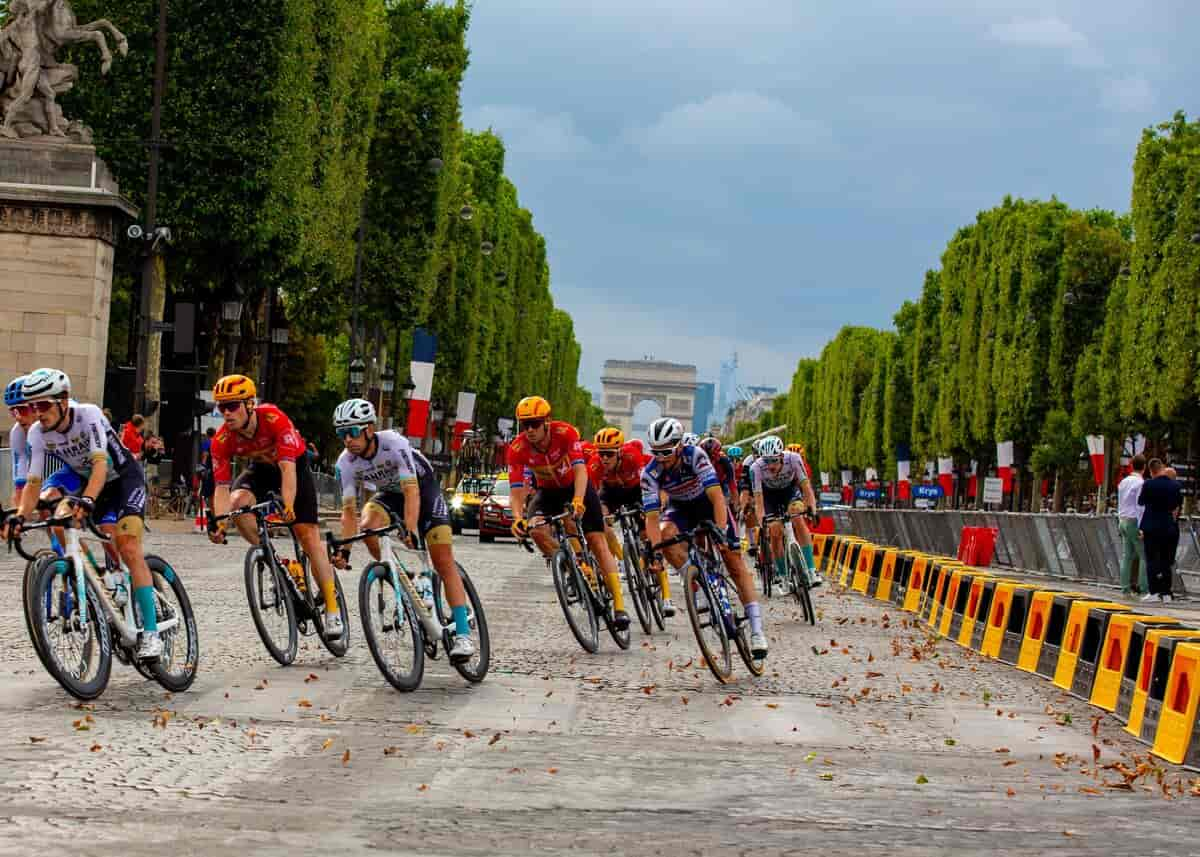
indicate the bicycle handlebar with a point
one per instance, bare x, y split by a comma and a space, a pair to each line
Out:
704, 527
65, 521
259, 510
365, 534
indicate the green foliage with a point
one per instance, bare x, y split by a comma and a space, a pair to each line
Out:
1059, 446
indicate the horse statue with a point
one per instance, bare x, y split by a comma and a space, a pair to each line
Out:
31, 78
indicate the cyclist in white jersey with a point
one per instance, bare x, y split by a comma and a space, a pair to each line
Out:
81, 436
406, 489
781, 486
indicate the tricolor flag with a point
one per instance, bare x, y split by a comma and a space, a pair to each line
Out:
464, 415
1004, 464
1095, 444
424, 350
903, 486
946, 475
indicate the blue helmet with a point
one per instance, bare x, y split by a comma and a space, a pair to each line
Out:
13, 394
734, 451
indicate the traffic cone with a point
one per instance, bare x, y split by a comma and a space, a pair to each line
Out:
201, 518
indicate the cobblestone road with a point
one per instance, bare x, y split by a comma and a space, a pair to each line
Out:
882, 741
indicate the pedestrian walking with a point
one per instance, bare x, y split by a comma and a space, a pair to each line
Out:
1160, 496
1129, 513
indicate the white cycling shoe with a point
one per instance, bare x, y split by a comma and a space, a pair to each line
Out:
333, 626
461, 650
151, 647
668, 609
758, 645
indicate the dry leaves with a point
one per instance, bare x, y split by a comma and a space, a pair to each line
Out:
346, 758
327, 744
304, 703
494, 739
391, 751
312, 677
36, 739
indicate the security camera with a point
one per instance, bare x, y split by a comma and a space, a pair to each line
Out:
135, 231
163, 233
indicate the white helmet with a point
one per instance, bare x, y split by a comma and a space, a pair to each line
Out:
353, 412
770, 447
691, 439
45, 384
665, 432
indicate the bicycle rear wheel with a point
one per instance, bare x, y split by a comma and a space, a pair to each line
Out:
741, 636
765, 562
28, 586
575, 600
654, 596
78, 655
270, 598
636, 577
798, 571
476, 668
705, 615
175, 670
393, 631
338, 646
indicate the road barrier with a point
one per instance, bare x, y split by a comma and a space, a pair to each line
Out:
1000, 620
1156, 694
1177, 739
1065, 546
1122, 644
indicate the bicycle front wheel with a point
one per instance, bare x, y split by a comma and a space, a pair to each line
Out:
638, 584
798, 569
393, 631
576, 601
765, 562
28, 587
337, 646
176, 669
741, 626
707, 623
78, 653
476, 668
271, 606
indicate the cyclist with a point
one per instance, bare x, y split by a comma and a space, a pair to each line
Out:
746, 502
552, 451
406, 489
781, 485
264, 436
726, 473
694, 495
112, 486
619, 482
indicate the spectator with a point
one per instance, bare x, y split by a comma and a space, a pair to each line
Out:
131, 435
1129, 513
153, 450
206, 441
1161, 498
313, 456
107, 414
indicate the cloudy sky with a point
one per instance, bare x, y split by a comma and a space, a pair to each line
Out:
714, 175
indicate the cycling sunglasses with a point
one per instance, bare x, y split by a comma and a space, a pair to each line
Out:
532, 425
664, 453
229, 407
774, 459
20, 410
350, 431
611, 453
44, 405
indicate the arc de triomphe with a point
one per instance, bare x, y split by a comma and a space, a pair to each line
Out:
626, 383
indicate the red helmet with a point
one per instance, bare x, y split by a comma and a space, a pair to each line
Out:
711, 447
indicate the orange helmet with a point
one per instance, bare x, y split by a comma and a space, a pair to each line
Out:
234, 388
533, 408
796, 447
609, 438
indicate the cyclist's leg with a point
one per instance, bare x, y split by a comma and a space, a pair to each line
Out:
378, 512
251, 483
308, 533
434, 526
121, 509
593, 531
803, 538
542, 503
608, 505
774, 505
65, 482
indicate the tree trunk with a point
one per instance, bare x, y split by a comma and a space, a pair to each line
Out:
1057, 504
157, 283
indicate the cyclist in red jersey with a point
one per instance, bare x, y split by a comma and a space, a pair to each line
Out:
553, 452
264, 436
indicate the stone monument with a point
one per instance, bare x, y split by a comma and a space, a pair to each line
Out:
60, 208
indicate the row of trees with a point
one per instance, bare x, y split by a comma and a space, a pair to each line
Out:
285, 125
1042, 325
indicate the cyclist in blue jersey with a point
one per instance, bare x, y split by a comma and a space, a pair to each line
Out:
694, 494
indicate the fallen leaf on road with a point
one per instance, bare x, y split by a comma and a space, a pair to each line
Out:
648, 689
1002, 750
1087, 790
346, 758
548, 693
304, 703
391, 751
1011, 792
494, 739
422, 787
809, 758
1008, 763
1096, 725
826, 776
96, 748
414, 729
551, 770
80, 726
824, 705
329, 743
467, 733
262, 685
874, 675
312, 677
516, 770
325, 718
922, 780
684, 700
950, 742
772, 705
1068, 833
36, 739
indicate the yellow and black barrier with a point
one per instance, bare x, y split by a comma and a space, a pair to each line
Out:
1061, 607
862, 569
1001, 619
887, 575
820, 543
1142, 644
916, 583
876, 571
1119, 654
1148, 704
1177, 739
1018, 619
941, 587
1084, 614
950, 620
904, 565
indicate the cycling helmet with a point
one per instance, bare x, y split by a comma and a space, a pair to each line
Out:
734, 452
533, 408
796, 447
691, 439
665, 432
13, 394
234, 388
609, 438
770, 447
353, 412
45, 384
711, 447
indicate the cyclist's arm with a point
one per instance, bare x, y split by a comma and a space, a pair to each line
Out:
760, 509
95, 483
349, 516
412, 505
581, 479
220, 500
517, 499
287, 483
653, 532
810, 499
720, 512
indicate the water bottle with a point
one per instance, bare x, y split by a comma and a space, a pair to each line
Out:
296, 570
115, 581
425, 588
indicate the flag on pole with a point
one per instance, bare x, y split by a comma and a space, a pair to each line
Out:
1095, 443
946, 475
1004, 464
424, 350
903, 487
464, 416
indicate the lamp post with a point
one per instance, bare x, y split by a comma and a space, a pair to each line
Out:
387, 383
406, 391
356, 374
279, 340
231, 315
435, 419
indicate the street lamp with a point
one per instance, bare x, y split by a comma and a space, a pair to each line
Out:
387, 384
387, 381
279, 336
357, 373
487, 248
231, 314
466, 212
434, 165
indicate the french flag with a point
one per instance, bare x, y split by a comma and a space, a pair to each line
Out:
424, 350
464, 417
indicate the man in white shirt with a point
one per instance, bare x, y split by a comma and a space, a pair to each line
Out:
1129, 513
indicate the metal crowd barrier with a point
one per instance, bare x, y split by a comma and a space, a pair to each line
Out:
1070, 547
329, 491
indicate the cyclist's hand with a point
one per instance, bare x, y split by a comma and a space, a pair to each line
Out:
12, 526
520, 528
577, 506
410, 540
287, 514
340, 558
83, 505
216, 533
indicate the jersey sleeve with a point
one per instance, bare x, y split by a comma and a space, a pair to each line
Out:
805, 473
756, 477
404, 455
595, 470
705, 471
651, 502
571, 440
95, 430
517, 464
20, 454
288, 444
218, 451
345, 475
36, 450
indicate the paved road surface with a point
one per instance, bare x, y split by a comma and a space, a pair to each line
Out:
884, 742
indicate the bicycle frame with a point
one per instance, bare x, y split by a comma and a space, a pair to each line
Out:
789, 536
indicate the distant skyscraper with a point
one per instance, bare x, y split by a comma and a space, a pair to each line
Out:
702, 412
728, 393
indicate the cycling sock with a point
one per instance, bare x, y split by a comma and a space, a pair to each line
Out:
614, 545
461, 626
664, 583
780, 567
329, 590
144, 597
808, 558
614, 586
754, 614
56, 546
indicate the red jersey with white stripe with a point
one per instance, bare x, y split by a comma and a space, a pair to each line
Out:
630, 461
553, 468
275, 439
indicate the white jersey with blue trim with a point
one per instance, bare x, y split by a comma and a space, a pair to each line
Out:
691, 476
792, 472
87, 437
394, 463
